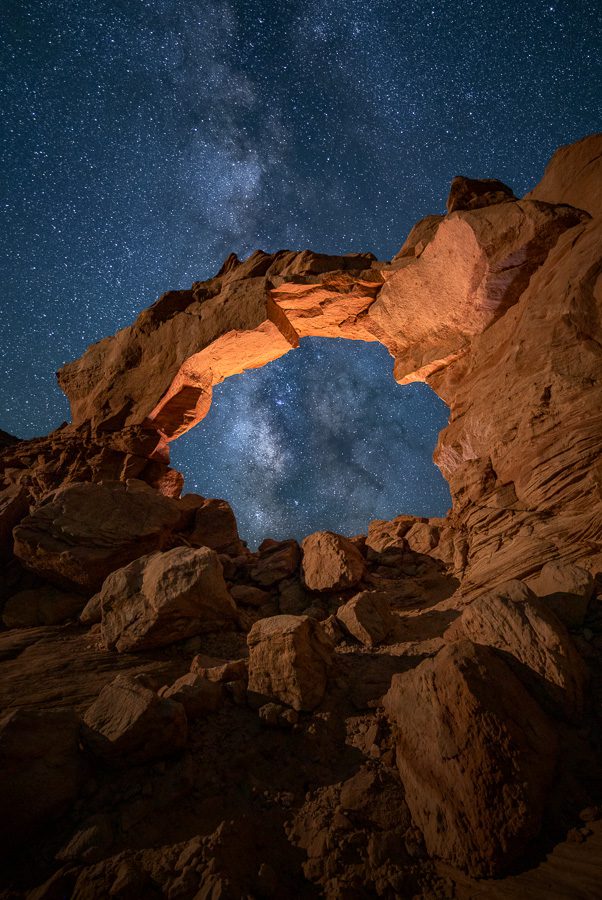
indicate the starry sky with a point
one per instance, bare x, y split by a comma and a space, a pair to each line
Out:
143, 141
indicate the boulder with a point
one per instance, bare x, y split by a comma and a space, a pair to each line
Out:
533, 641
42, 770
330, 562
474, 193
219, 670
276, 560
249, 595
41, 606
129, 723
197, 695
83, 532
289, 660
476, 756
422, 537
567, 590
385, 535
165, 597
367, 617
215, 526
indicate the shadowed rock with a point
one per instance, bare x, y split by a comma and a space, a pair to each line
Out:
475, 754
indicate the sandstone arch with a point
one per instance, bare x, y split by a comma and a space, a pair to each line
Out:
425, 307
494, 305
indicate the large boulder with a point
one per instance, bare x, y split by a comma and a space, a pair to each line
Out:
567, 589
289, 660
276, 560
533, 641
42, 770
129, 723
367, 617
215, 526
476, 755
165, 597
330, 562
85, 531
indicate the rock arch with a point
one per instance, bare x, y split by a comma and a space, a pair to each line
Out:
494, 305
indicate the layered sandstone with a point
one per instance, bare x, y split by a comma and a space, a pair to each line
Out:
398, 713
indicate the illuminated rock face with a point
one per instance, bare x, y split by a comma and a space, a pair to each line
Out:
492, 306
497, 306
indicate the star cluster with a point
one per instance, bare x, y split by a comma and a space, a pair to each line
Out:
142, 142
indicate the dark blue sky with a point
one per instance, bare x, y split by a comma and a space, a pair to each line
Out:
143, 141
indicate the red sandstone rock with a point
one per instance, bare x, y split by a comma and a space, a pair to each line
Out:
383, 534
422, 537
330, 562
533, 641
215, 527
249, 595
523, 496
14, 506
474, 193
130, 724
566, 589
574, 176
219, 670
419, 237
481, 262
165, 597
197, 695
289, 659
276, 560
85, 531
475, 754
367, 617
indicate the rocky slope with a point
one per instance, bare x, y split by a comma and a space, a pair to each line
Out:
415, 712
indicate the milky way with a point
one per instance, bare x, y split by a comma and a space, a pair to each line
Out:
366, 453
142, 142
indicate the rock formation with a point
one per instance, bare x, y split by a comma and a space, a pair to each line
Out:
405, 713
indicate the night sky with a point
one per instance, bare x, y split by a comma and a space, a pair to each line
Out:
141, 142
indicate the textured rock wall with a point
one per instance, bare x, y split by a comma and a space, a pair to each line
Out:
495, 305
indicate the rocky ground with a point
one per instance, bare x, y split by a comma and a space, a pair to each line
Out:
414, 712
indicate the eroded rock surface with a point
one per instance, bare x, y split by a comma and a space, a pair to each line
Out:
246, 751
86, 531
330, 562
465, 725
532, 640
289, 660
129, 723
165, 597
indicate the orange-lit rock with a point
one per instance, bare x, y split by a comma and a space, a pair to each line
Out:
574, 176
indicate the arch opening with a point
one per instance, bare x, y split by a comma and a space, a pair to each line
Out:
322, 438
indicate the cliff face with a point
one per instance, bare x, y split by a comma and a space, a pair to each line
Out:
463, 758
